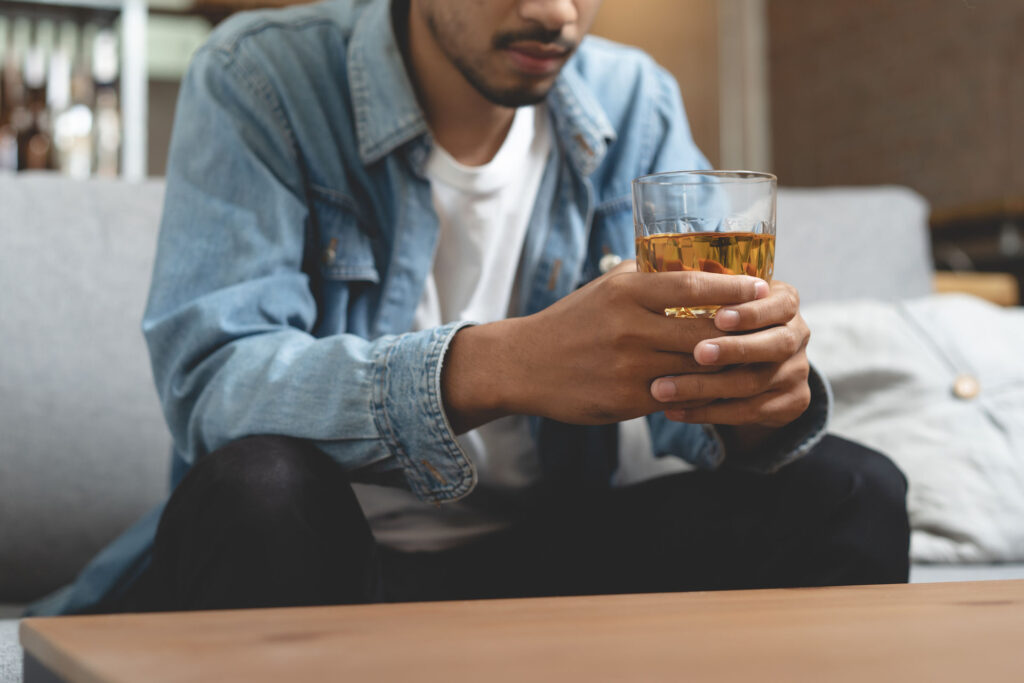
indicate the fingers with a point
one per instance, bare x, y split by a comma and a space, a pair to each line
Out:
778, 308
671, 364
768, 394
774, 409
740, 382
658, 291
679, 335
772, 345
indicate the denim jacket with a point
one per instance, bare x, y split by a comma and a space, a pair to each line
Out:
298, 232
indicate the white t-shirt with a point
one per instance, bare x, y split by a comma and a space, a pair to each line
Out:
484, 213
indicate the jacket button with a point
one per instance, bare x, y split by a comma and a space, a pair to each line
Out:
331, 252
966, 387
607, 262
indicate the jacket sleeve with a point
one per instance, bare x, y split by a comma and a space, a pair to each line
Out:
705, 448
230, 315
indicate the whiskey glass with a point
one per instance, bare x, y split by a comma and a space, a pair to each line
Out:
711, 221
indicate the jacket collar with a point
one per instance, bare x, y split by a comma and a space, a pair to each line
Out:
387, 114
581, 125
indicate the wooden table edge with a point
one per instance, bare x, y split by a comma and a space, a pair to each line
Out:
37, 646
52, 658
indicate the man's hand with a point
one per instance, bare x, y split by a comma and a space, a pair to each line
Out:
764, 370
591, 357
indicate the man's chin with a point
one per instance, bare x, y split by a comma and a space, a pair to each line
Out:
517, 97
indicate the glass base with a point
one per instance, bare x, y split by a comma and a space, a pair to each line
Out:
692, 312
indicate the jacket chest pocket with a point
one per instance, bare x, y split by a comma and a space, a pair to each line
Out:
344, 249
347, 281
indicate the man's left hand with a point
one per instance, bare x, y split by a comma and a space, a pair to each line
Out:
764, 378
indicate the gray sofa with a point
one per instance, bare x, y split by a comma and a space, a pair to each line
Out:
83, 446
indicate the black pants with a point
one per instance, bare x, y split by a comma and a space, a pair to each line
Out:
271, 521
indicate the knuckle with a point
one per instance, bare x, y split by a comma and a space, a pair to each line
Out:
791, 341
803, 373
699, 386
740, 351
617, 286
802, 400
752, 383
792, 298
752, 318
699, 285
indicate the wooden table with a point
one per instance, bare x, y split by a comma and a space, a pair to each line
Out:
923, 632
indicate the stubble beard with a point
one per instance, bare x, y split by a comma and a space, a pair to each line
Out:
474, 73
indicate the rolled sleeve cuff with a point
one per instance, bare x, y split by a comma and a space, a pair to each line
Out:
409, 414
796, 439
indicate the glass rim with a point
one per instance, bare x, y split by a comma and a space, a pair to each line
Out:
672, 177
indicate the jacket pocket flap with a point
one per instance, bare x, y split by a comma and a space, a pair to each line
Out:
345, 248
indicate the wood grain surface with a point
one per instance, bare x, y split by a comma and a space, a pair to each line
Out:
921, 632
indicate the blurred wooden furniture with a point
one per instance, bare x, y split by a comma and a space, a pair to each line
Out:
999, 288
979, 239
918, 632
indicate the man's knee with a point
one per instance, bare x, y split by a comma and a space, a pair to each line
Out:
870, 527
263, 521
876, 480
264, 477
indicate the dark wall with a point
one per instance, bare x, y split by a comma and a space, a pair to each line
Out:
926, 93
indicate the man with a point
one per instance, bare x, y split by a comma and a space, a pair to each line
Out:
385, 247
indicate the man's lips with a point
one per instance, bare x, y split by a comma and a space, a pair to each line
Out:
537, 58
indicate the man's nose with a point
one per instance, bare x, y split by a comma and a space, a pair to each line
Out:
551, 14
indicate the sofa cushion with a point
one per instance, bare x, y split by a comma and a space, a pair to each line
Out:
936, 383
84, 448
854, 243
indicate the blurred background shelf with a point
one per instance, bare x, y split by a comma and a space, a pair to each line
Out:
58, 32
154, 42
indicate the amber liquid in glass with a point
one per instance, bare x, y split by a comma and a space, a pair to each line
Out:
734, 253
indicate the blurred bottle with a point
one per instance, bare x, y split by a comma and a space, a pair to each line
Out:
34, 140
8, 138
17, 118
70, 104
107, 115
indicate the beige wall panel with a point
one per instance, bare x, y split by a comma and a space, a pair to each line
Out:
682, 35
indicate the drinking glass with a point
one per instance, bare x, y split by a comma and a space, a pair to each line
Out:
713, 221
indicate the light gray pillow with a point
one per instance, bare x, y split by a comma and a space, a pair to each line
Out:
894, 368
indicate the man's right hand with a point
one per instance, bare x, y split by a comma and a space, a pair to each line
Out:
589, 358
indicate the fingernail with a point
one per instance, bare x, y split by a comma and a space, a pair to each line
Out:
663, 389
707, 353
760, 289
726, 320
676, 415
